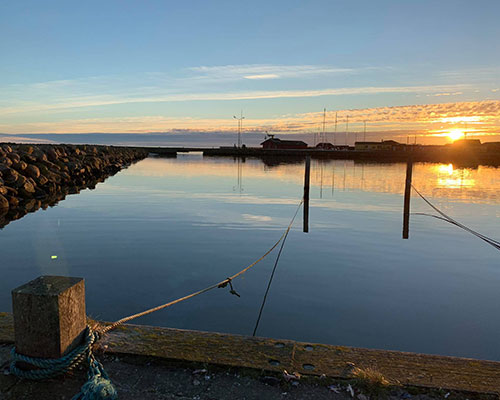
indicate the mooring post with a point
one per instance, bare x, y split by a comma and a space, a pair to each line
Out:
306, 193
406, 209
49, 316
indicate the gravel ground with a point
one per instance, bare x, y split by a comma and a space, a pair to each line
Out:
140, 378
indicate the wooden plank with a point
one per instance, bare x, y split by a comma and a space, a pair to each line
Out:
6, 328
202, 347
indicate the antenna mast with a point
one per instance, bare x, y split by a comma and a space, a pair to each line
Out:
346, 128
240, 125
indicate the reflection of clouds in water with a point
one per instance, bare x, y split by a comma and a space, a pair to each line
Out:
257, 218
474, 185
233, 198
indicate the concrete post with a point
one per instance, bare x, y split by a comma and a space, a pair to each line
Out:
49, 316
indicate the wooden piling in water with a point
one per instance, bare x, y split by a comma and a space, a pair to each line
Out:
406, 209
306, 193
49, 316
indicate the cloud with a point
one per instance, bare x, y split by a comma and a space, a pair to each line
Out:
482, 118
262, 76
20, 139
267, 71
483, 74
445, 94
106, 100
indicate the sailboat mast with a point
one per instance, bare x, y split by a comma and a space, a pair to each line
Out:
346, 128
324, 124
335, 133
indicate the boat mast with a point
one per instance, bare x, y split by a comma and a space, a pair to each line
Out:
346, 128
324, 124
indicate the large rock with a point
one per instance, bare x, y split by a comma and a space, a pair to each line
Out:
28, 149
6, 161
20, 181
32, 171
4, 203
13, 201
10, 175
26, 190
15, 158
40, 155
20, 166
41, 180
52, 154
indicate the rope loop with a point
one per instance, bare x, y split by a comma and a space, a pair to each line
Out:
98, 385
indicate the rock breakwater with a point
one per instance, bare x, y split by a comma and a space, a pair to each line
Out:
38, 176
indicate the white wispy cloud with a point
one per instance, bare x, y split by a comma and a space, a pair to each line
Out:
266, 71
262, 76
444, 94
104, 100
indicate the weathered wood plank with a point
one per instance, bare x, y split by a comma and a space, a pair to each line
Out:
6, 328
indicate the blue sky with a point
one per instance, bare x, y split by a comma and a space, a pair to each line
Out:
141, 66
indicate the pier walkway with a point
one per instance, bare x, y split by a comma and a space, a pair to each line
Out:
170, 358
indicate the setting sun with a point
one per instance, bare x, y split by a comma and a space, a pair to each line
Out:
455, 134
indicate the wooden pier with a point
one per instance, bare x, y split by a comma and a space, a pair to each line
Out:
276, 355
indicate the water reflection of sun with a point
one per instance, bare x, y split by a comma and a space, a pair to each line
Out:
451, 178
445, 168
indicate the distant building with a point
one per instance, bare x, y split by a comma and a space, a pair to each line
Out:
274, 143
466, 143
329, 146
491, 147
384, 145
325, 146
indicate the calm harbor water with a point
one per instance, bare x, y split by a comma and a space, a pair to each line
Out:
166, 227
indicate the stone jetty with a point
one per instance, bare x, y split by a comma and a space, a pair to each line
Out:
38, 176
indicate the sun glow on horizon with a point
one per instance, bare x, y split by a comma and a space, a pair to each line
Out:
455, 134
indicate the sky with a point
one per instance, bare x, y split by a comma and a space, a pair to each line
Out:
421, 68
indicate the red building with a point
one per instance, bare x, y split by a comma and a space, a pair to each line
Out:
273, 143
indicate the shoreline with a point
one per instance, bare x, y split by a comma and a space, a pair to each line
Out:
39, 176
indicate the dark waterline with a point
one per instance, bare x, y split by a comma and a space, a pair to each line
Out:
166, 227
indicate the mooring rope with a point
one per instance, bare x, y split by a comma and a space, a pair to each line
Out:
98, 385
269, 285
447, 218
220, 284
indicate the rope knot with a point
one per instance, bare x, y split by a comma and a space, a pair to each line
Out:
97, 388
225, 283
